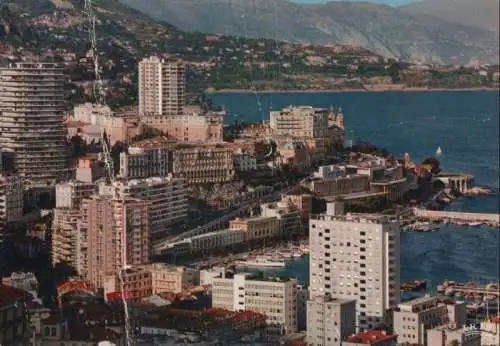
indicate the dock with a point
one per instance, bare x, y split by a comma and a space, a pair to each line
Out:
457, 217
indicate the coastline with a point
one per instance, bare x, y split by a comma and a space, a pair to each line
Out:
348, 90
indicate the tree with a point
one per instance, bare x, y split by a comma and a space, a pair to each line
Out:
434, 163
453, 342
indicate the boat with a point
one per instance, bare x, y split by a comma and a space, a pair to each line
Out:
414, 286
439, 151
260, 262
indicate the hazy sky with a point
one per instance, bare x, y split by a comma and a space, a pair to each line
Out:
387, 2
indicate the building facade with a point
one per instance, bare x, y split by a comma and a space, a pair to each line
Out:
356, 255
330, 320
117, 234
32, 105
162, 87
70, 194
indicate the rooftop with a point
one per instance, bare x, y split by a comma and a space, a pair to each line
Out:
10, 295
371, 337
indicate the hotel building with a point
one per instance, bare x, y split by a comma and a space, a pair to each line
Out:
161, 87
117, 234
32, 104
356, 256
301, 121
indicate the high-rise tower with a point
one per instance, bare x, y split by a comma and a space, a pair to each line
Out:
32, 103
161, 87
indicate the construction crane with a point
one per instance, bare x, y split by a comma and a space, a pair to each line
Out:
100, 101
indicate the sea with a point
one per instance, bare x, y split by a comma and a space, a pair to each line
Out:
466, 127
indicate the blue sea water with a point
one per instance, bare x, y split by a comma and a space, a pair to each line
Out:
464, 124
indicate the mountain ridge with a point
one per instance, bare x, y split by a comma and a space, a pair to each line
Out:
389, 31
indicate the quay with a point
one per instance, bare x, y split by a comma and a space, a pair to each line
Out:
486, 291
457, 217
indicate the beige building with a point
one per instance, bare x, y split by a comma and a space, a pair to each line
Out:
288, 215
117, 234
145, 280
11, 199
330, 320
32, 106
197, 163
203, 163
356, 256
343, 185
192, 127
257, 228
69, 239
274, 297
162, 87
301, 121
414, 318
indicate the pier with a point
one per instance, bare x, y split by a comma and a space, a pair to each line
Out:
457, 217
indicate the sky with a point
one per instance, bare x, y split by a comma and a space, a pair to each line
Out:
386, 2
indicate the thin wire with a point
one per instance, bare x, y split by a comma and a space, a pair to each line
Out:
100, 99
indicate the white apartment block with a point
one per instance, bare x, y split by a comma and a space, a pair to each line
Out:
11, 199
274, 297
70, 194
32, 106
167, 197
356, 256
161, 87
412, 319
144, 162
301, 121
330, 320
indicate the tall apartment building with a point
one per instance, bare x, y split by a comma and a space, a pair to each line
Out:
330, 320
32, 104
69, 239
356, 256
11, 199
117, 234
167, 197
274, 297
161, 87
412, 319
301, 121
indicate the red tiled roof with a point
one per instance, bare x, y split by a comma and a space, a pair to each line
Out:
9, 295
371, 337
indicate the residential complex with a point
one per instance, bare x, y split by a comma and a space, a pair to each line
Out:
302, 121
71, 193
161, 87
356, 256
32, 104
